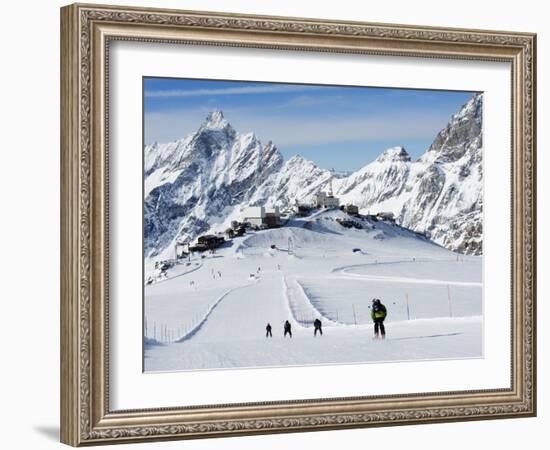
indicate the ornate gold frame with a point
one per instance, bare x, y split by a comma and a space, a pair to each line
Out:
86, 31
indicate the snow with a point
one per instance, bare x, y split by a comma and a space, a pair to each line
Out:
200, 183
213, 312
158, 178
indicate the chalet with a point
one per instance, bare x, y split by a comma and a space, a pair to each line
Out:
349, 223
301, 210
236, 231
351, 209
207, 242
389, 216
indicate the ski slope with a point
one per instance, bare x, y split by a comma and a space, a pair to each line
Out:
211, 312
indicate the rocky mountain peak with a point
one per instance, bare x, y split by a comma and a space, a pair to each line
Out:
394, 154
204, 181
296, 159
453, 141
215, 120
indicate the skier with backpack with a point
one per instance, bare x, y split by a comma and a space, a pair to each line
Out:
378, 314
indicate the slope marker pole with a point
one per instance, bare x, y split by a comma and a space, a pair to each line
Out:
408, 310
450, 302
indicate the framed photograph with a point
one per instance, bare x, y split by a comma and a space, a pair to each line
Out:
280, 224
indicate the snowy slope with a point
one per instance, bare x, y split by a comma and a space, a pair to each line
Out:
207, 179
215, 315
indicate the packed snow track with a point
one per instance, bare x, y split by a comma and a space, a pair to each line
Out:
216, 315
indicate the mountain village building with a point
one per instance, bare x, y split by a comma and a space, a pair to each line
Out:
386, 216
254, 215
326, 199
351, 209
301, 210
260, 216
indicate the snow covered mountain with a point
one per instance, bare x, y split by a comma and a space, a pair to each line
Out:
441, 194
193, 183
206, 179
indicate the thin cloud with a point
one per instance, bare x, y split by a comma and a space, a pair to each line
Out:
292, 131
304, 101
224, 91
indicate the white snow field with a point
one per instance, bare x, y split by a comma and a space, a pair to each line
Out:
211, 312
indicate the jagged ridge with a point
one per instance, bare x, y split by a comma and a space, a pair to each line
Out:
206, 179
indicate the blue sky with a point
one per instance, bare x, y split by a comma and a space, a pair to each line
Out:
337, 127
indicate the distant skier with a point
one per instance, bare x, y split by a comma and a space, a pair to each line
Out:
378, 314
219, 274
268, 330
288, 329
317, 325
259, 269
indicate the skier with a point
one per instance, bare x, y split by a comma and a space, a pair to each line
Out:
317, 324
268, 330
287, 329
378, 314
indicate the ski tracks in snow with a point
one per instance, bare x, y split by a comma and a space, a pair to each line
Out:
289, 295
345, 272
408, 280
193, 331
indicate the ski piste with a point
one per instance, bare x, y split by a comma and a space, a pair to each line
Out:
210, 312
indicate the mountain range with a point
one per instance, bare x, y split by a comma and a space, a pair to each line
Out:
203, 181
